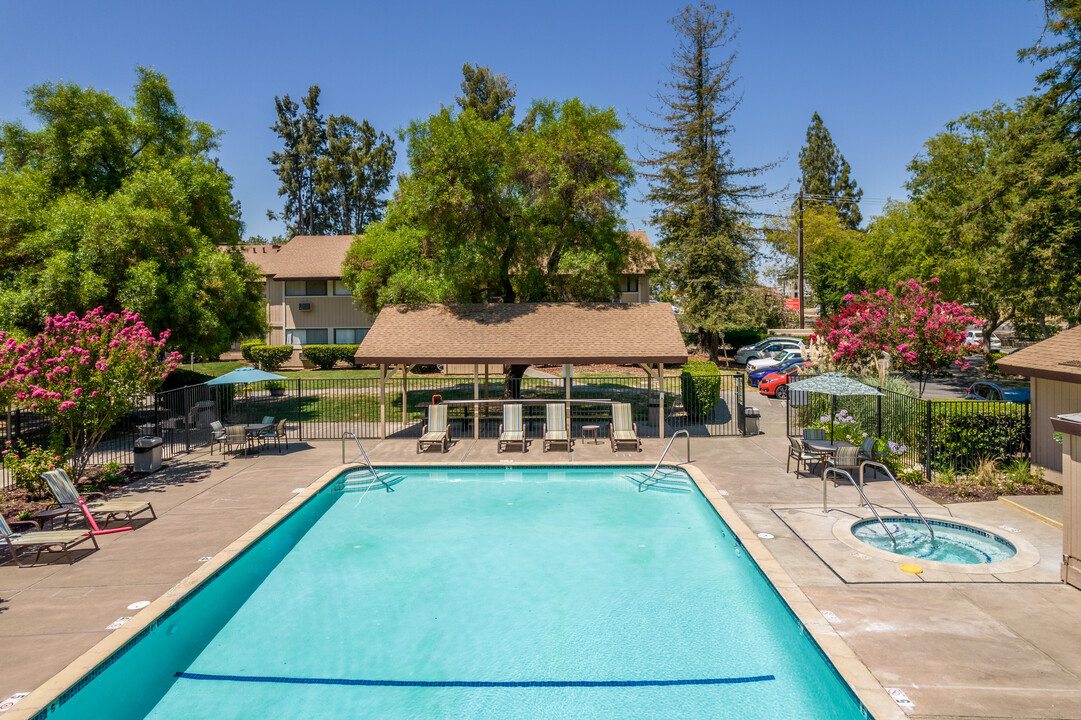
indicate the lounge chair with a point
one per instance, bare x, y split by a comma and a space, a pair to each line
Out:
277, 434
801, 455
238, 436
511, 431
814, 434
53, 540
624, 430
217, 435
555, 426
435, 431
68, 498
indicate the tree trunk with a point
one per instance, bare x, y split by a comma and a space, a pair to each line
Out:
512, 383
713, 355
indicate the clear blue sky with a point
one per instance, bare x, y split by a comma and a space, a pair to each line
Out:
883, 76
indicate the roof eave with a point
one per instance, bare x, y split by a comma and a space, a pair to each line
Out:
504, 360
1040, 372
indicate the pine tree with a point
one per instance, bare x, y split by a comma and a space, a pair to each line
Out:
826, 174
700, 192
490, 95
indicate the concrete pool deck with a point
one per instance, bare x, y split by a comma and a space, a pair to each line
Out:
998, 646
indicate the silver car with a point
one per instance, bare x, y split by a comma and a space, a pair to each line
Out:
770, 347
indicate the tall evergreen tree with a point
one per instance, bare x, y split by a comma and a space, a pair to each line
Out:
490, 95
332, 171
826, 174
701, 193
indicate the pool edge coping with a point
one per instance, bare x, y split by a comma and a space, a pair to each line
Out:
860, 680
52, 689
853, 671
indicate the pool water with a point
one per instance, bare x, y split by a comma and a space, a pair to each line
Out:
481, 593
953, 542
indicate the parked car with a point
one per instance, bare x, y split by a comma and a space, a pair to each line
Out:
974, 339
774, 362
756, 377
776, 384
996, 392
767, 348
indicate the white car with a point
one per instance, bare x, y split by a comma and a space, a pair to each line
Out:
770, 362
974, 339
770, 347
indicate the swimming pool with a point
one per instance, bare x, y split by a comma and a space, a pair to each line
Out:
482, 593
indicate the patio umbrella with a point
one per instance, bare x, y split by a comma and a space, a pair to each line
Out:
244, 375
833, 384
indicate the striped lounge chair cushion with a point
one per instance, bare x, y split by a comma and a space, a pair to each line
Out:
514, 435
621, 418
624, 435
557, 434
846, 457
437, 419
557, 419
433, 436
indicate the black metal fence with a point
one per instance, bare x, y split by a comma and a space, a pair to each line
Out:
317, 409
931, 434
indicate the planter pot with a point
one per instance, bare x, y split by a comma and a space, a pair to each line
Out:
277, 392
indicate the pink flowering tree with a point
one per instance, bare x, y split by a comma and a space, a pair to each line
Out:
86, 373
919, 331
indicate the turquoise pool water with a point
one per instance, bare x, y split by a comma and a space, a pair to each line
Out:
480, 593
953, 542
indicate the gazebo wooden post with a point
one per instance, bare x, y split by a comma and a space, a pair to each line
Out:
405, 396
660, 392
476, 396
383, 401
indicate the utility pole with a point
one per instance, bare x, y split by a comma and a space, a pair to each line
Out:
800, 244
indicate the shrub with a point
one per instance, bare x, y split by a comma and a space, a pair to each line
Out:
739, 338
324, 356
347, 353
961, 435
246, 348
700, 381
271, 357
991, 360
182, 377
26, 464
111, 474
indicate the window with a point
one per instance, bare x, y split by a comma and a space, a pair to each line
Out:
341, 288
306, 336
629, 284
349, 336
295, 288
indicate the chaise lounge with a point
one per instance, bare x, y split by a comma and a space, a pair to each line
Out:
555, 426
435, 431
624, 430
68, 499
44, 540
511, 431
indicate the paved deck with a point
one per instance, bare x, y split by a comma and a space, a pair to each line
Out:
993, 646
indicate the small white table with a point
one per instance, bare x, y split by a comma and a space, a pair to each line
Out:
592, 430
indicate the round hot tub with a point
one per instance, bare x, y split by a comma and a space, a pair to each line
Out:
959, 547
953, 542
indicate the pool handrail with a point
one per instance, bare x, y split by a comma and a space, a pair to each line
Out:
839, 471
674, 436
363, 454
889, 474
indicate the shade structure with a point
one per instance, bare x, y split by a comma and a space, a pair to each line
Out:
832, 384
244, 375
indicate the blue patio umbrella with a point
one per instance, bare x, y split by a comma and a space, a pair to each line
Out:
244, 375
833, 384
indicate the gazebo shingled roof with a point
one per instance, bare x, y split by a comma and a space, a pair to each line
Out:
524, 334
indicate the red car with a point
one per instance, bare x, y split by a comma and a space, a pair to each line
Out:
776, 384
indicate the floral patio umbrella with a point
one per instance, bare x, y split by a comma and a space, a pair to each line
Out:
834, 384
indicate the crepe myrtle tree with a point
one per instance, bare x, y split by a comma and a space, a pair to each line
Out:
919, 331
85, 373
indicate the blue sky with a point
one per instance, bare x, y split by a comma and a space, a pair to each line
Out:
883, 76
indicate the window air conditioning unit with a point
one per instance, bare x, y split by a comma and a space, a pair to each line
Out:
305, 307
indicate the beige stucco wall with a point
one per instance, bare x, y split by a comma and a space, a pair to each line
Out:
1049, 399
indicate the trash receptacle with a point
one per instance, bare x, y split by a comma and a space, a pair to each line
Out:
654, 410
148, 451
750, 420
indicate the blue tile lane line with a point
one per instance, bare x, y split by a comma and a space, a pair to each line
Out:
476, 683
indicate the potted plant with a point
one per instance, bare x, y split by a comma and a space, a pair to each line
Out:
276, 388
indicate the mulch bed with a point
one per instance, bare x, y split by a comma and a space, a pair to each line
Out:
978, 493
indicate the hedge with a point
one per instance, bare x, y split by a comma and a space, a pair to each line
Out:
700, 382
246, 346
325, 356
271, 357
960, 438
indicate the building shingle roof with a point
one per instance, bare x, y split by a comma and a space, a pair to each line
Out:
640, 263
1056, 358
525, 333
264, 257
312, 256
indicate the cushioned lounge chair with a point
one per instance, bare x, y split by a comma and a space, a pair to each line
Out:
68, 499
511, 431
555, 426
435, 431
624, 430
48, 540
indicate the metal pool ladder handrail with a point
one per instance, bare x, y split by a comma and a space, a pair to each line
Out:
839, 471
363, 454
889, 474
674, 436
